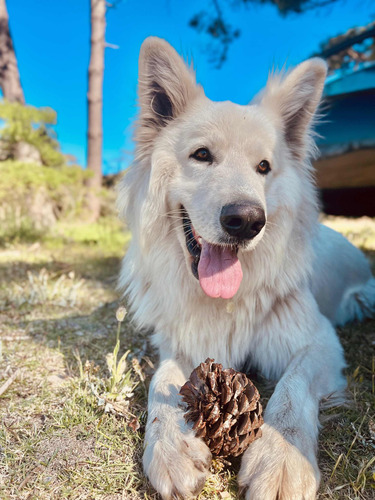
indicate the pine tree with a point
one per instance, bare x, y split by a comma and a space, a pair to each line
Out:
95, 106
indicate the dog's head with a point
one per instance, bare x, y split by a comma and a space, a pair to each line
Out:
216, 170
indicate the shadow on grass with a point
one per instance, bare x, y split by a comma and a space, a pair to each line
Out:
101, 268
88, 337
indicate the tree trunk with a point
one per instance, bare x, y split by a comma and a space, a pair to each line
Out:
9, 76
95, 106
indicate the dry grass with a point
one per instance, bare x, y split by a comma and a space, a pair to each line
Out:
57, 325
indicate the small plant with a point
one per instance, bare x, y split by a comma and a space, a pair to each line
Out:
119, 384
115, 393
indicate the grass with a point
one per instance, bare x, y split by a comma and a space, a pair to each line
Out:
73, 418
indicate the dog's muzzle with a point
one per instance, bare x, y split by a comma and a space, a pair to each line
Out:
216, 265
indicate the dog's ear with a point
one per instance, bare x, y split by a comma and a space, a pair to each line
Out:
165, 87
295, 99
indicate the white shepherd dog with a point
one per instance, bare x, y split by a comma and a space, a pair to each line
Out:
228, 261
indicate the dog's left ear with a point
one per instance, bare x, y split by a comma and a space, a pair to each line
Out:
295, 99
165, 87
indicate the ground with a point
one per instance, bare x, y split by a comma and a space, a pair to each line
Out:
73, 415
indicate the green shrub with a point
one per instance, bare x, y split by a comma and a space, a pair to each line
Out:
28, 124
22, 177
37, 186
34, 196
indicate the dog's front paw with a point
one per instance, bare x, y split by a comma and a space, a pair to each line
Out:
175, 462
274, 469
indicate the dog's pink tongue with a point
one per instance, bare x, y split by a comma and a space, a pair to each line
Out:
219, 270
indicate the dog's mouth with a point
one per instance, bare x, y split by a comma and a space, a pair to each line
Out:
216, 266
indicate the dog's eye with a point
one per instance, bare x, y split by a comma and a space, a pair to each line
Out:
202, 154
263, 167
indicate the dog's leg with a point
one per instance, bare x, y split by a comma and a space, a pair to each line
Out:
175, 461
282, 464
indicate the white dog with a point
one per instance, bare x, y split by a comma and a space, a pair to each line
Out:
228, 261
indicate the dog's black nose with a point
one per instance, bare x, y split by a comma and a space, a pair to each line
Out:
242, 220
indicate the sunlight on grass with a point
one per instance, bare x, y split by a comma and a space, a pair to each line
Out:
106, 233
360, 231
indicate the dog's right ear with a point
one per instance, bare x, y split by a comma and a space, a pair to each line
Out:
165, 87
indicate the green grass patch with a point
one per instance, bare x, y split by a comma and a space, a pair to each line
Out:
107, 233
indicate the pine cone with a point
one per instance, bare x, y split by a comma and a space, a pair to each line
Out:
224, 407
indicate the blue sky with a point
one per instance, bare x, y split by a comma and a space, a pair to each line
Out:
51, 38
